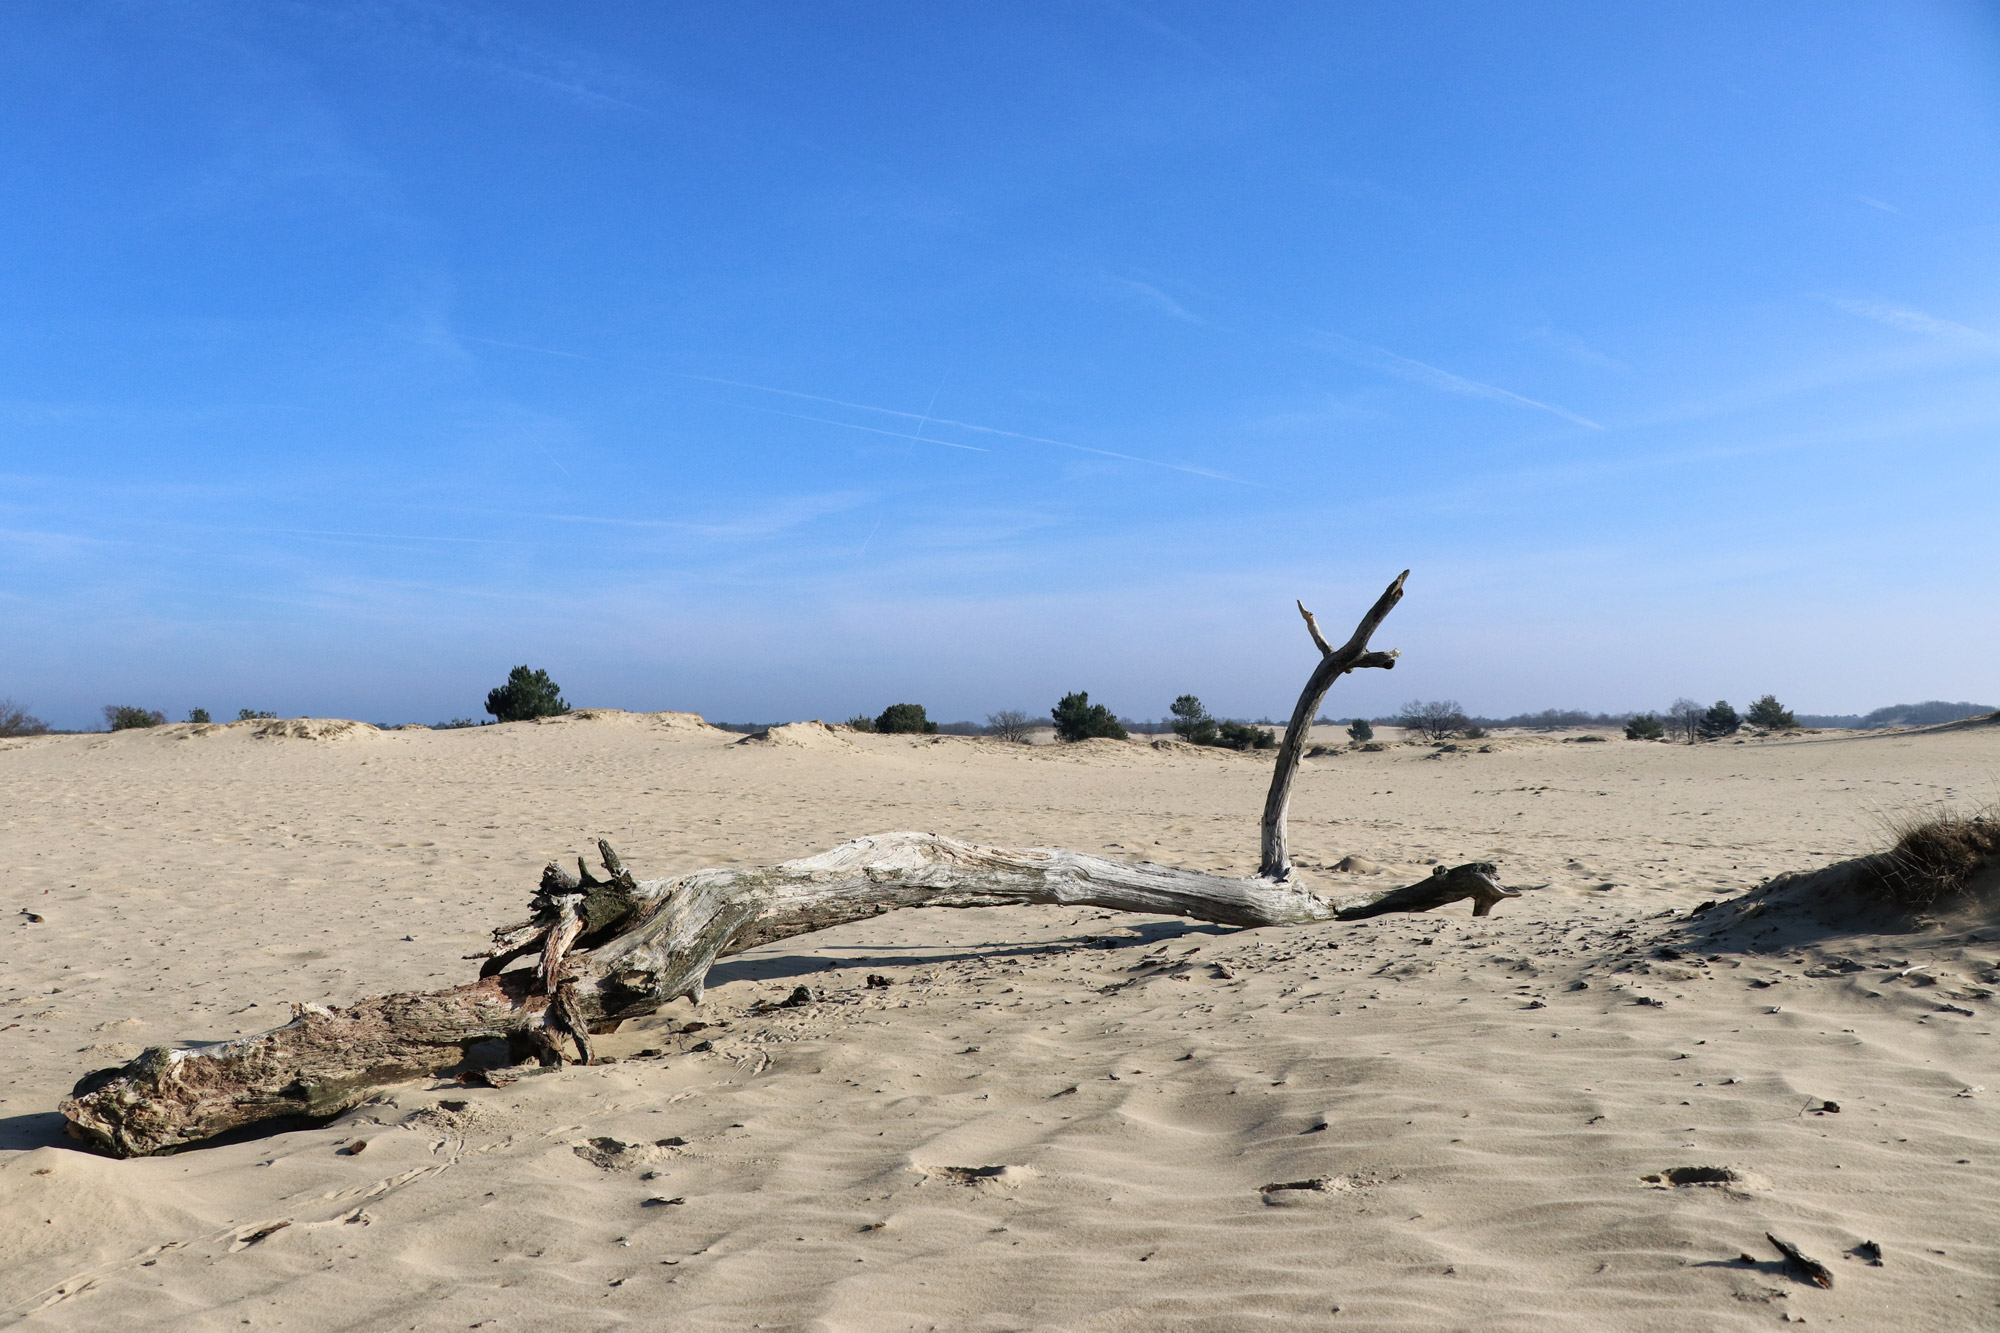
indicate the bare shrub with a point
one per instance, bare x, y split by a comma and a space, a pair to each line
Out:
17, 721
1010, 724
1434, 719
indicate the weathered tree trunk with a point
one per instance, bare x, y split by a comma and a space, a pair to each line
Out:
618, 948
1275, 861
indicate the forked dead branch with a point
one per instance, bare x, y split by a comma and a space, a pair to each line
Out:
599, 950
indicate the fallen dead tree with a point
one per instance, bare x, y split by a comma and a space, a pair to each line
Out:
599, 950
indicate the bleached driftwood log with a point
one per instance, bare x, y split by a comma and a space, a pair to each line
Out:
608, 949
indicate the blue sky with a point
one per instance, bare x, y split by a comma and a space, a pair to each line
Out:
780, 361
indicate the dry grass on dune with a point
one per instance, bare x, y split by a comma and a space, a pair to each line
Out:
1935, 856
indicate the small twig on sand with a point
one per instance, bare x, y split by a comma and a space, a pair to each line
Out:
1812, 1270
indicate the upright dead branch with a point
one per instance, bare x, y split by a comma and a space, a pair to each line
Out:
1276, 860
599, 951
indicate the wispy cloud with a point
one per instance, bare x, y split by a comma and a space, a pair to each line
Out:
374, 536
1913, 321
1434, 377
761, 521
475, 40
1877, 203
1574, 348
872, 430
1189, 468
522, 347
1155, 298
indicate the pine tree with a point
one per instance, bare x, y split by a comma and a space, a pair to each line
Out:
905, 719
1192, 722
1720, 720
527, 694
1078, 719
1768, 713
1646, 727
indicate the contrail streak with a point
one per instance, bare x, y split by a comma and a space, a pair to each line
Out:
849, 425
522, 347
1420, 372
1190, 469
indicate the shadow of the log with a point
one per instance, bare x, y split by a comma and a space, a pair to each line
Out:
37, 1129
883, 957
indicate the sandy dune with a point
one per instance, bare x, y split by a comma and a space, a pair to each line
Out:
1046, 1119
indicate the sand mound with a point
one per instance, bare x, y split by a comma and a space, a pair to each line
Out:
1841, 901
312, 729
667, 721
815, 735
1097, 747
177, 730
1968, 724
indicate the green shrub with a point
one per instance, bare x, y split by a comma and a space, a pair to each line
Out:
455, 724
199, 716
252, 715
527, 694
1646, 727
860, 722
1768, 713
124, 717
1720, 720
17, 721
1192, 722
905, 720
1243, 736
1078, 719
1359, 731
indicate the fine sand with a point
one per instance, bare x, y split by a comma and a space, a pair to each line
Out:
1047, 1119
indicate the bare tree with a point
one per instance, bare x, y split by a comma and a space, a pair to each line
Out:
1434, 719
1010, 724
1684, 717
17, 721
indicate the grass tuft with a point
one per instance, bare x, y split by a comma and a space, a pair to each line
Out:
1935, 856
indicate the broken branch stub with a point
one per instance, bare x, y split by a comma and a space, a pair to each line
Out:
598, 951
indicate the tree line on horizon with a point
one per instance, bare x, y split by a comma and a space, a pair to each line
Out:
529, 693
